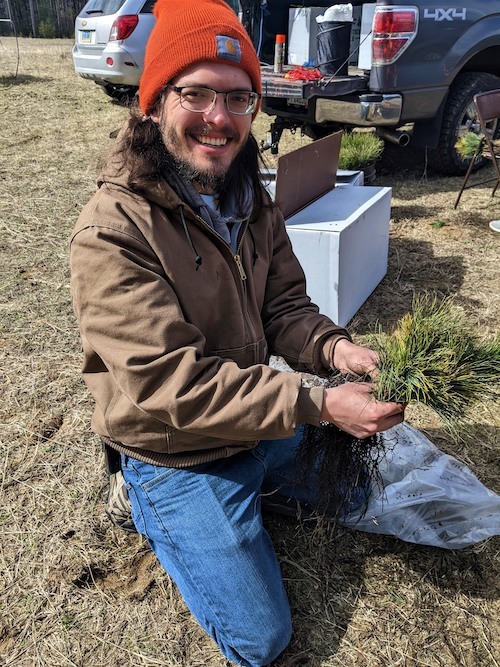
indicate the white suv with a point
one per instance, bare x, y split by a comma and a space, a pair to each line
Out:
110, 36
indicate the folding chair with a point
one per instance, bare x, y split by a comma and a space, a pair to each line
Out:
488, 110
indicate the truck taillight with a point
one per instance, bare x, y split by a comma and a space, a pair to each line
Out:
394, 28
123, 27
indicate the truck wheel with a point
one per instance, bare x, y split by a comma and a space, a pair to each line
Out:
459, 117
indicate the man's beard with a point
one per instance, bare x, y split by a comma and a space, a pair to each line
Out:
211, 180
208, 180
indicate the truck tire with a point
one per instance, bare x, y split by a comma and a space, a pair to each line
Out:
459, 117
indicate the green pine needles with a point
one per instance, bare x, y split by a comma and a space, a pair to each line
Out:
435, 358
359, 149
468, 144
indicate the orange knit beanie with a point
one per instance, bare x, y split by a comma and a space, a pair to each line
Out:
190, 31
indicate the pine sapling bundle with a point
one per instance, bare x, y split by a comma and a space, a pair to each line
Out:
433, 358
469, 144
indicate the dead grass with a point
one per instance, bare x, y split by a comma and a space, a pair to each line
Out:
76, 592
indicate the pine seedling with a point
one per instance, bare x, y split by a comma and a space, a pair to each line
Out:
434, 358
359, 149
468, 144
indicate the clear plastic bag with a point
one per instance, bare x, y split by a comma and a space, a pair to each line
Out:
428, 497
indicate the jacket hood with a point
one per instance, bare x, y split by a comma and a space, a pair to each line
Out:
116, 173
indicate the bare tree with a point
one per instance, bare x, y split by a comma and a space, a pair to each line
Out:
32, 15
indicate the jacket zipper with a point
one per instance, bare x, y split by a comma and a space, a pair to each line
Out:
237, 259
239, 265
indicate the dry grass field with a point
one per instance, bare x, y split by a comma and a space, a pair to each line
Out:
74, 591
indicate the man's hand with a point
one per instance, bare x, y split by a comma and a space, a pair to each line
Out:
353, 359
353, 409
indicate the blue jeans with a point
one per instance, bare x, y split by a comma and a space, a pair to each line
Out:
205, 526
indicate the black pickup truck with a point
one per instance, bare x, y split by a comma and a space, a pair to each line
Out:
427, 61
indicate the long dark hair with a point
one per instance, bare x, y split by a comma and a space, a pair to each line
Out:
141, 152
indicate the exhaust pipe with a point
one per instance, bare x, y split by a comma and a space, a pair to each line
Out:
394, 136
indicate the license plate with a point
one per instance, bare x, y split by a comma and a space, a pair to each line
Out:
297, 101
85, 37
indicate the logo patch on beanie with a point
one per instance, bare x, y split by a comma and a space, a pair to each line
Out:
228, 48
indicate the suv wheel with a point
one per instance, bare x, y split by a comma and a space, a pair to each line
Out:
121, 94
459, 117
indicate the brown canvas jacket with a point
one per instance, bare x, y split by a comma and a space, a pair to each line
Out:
176, 352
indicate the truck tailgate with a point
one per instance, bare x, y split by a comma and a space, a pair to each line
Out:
278, 85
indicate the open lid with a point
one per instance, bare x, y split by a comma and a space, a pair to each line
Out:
307, 173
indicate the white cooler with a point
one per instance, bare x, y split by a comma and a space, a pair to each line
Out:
342, 242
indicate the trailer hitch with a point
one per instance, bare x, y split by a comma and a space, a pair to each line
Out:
275, 132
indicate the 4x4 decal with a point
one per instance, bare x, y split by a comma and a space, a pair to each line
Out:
451, 14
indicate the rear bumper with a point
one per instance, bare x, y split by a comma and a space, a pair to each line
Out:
368, 110
345, 100
93, 65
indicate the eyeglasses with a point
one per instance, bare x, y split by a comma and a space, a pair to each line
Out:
202, 100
